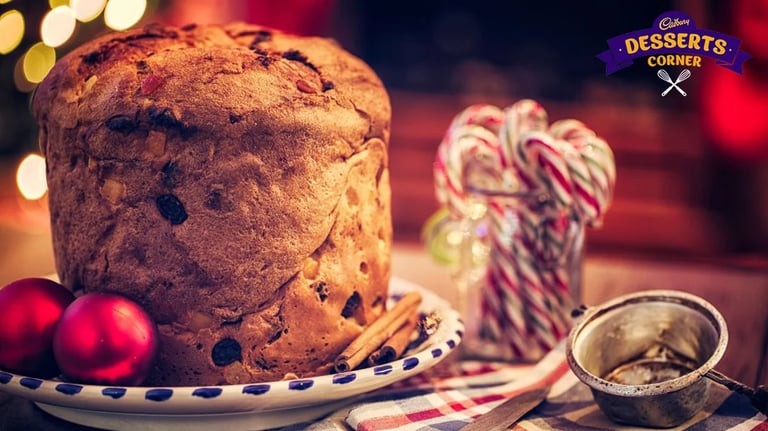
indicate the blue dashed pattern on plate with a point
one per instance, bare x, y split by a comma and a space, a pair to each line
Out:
29, 382
451, 344
158, 394
437, 352
342, 379
68, 388
382, 370
300, 385
5, 378
114, 393
259, 389
410, 363
207, 392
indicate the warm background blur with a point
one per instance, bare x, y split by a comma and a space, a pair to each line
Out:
692, 171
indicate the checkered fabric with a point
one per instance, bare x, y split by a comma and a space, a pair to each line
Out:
452, 394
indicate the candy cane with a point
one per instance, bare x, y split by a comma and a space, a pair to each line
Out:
504, 281
554, 239
487, 116
592, 169
460, 147
522, 118
593, 159
504, 272
472, 142
540, 161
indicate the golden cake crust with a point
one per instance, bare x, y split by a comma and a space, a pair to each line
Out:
231, 179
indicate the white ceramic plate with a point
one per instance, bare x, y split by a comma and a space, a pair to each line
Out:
237, 407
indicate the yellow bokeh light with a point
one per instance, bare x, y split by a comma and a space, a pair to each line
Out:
122, 14
4, 1
11, 30
87, 10
30, 177
57, 26
38, 61
56, 3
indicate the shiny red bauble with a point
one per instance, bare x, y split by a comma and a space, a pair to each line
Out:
104, 338
30, 308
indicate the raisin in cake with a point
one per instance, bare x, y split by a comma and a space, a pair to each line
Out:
232, 180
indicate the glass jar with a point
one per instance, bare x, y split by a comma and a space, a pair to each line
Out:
518, 274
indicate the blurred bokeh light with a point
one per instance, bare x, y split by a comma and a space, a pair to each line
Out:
87, 10
122, 14
30, 177
57, 26
11, 30
38, 61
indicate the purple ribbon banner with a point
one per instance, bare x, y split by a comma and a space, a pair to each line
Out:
679, 39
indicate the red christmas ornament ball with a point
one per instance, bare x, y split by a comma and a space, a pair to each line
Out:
105, 338
30, 308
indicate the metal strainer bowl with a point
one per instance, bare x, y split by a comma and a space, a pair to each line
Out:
645, 356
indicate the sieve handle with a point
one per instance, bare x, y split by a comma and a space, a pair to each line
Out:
758, 396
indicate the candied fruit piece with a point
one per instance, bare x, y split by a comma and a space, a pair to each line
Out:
171, 208
89, 83
156, 143
112, 190
311, 268
150, 84
296, 55
261, 36
166, 117
305, 87
163, 117
352, 304
226, 351
121, 123
200, 321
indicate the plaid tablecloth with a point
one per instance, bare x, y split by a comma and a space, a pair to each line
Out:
455, 392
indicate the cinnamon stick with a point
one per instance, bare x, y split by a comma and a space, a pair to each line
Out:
379, 331
396, 344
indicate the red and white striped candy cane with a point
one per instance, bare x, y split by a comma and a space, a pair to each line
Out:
472, 137
487, 116
592, 170
472, 142
503, 291
521, 117
541, 162
462, 146
504, 283
547, 228
591, 161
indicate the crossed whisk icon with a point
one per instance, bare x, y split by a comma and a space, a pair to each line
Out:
664, 76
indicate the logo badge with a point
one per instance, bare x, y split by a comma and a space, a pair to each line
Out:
673, 41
